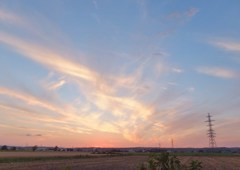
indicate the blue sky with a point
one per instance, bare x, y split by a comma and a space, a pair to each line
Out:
119, 73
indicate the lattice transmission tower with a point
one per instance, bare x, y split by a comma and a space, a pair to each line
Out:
211, 133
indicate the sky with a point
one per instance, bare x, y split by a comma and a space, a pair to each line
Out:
129, 73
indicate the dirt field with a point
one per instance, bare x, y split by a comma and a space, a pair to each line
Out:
215, 162
118, 163
111, 163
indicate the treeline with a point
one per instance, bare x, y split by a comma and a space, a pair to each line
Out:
5, 148
32, 148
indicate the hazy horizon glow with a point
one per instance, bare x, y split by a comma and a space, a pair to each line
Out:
119, 73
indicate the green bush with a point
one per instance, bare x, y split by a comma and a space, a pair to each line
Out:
165, 161
195, 165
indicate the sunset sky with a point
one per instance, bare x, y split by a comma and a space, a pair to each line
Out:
109, 73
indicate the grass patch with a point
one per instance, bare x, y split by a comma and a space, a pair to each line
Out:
30, 159
47, 158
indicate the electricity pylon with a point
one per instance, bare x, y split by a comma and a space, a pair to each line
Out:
211, 133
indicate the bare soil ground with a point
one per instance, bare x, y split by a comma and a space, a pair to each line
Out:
216, 162
102, 163
119, 163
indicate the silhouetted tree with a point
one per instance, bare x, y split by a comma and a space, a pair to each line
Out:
13, 148
56, 148
34, 148
4, 147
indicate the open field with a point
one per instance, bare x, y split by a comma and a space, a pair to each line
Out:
40, 154
99, 162
215, 162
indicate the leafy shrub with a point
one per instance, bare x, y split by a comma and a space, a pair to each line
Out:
195, 165
165, 161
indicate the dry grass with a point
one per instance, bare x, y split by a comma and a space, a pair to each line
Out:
215, 162
218, 162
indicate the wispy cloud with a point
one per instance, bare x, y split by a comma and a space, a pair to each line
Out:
95, 3
191, 89
191, 12
48, 57
34, 135
111, 103
228, 45
56, 85
177, 70
143, 7
217, 72
99, 93
9, 17
29, 99
32, 117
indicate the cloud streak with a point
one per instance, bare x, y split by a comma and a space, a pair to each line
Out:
9, 17
48, 57
31, 100
57, 85
192, 12
227, 45
218, 72
183, 16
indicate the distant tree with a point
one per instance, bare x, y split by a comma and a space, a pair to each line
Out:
34, 148
56, 148
13, 148
4, 147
